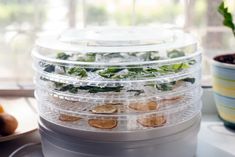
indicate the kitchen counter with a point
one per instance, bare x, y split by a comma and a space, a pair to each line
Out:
214, 140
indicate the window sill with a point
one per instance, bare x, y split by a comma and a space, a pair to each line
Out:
14, 89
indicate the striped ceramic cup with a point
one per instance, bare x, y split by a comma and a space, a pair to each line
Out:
224, 91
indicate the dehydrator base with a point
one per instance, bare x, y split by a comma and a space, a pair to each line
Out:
181, 144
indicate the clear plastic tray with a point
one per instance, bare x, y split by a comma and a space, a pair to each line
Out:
114, 74
116, 55
119, 91
134, 106
120, 45
104, 122
133, 136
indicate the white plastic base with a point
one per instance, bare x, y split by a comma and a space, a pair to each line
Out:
181, 144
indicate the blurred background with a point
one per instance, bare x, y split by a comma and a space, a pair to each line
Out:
22, 21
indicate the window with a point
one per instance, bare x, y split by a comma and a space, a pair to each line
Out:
22, 21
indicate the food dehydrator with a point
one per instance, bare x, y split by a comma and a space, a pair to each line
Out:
120, 92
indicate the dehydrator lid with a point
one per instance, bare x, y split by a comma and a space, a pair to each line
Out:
116, 45
117, 37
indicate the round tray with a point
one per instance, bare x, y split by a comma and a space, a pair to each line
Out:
124, 44
133, 135
118, 92
115, 58
117, 75
128, 106
118, 123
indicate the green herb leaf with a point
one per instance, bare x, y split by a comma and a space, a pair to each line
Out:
191, 80
89, 57
73, 90
62, 56
94, 89
191, 62
154, 55
174, 67
164, 86
169, 86
58, 84
137, 92
77, 71
151, 70
109, 72
175, 54
91, 69
136, 70
129, 73
66, 88
181, 66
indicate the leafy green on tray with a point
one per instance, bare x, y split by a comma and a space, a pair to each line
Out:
109, 72
89, 57
77, 71
154, 55
175, 54
169, 86
91, 89
191, 80
144, 56
137, 92
95, 89
122, 73
165, 86
62, 56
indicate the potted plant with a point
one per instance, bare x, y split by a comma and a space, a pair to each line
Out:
223, 74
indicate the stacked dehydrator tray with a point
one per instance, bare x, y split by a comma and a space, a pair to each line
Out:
121, 92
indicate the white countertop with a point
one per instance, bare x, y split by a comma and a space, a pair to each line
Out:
214, 140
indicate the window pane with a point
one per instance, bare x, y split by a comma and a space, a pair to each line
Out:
22, 21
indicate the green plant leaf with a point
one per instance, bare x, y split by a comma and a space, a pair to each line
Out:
228, 18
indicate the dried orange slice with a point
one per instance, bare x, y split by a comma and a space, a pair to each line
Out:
103, 123
104, 109
153, 121
152, 105
68, 118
